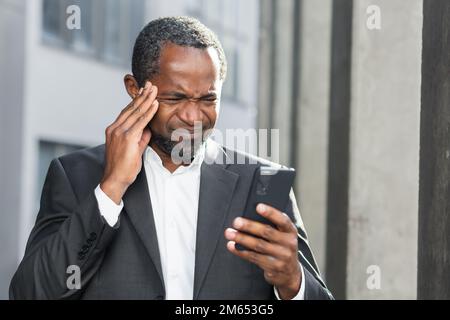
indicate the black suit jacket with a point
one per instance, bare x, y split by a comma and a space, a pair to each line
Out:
124, 262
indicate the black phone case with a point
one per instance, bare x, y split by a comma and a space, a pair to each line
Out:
270, 189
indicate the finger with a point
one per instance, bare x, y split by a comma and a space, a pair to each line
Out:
271, 275
136, 99
148, 101
280, 219
259, 229
257, 244
137, 105
141, 90
145, 139
142, 122
140, 111
136, 102
265, 262
128, 109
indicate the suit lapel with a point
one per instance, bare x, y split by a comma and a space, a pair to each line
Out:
138, 206
216, 190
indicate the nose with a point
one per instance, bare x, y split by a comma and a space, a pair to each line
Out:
190, 113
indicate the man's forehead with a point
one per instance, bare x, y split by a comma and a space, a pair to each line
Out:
201, 86
187, 69
175, 58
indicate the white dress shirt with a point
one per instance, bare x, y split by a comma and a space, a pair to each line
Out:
174, 198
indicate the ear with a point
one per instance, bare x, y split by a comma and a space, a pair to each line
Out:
131, 85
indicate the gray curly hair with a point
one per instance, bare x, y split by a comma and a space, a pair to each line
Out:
182, 31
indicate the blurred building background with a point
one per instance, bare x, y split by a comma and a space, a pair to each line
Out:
346, 98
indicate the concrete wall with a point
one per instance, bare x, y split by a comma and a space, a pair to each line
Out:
282, 77
279, 65
313, 121
384, 149
12, 22
276, 69
383, 165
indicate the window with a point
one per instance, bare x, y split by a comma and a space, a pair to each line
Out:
52, 21
83, 40
47, 152
108, 27
222, 17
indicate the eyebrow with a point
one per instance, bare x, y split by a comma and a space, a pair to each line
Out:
173, 94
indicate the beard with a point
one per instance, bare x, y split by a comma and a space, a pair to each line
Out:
164, 144
185, 149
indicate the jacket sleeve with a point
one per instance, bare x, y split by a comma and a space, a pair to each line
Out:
315, 288
69, 234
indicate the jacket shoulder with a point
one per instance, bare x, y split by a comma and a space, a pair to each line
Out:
83, 169
240, 157
219, 153
93, 156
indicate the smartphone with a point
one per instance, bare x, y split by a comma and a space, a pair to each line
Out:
270, 186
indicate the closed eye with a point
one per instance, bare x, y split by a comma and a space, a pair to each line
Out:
210, 98
170, 100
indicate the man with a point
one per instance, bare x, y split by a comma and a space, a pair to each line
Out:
140, 225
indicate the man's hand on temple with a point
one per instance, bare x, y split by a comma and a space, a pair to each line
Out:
126, 140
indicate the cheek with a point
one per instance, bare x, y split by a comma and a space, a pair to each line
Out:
159, 120
211, 114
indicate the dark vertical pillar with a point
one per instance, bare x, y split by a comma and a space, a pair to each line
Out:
295, 101
338, 151
434, 197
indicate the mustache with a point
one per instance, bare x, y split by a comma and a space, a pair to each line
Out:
189, 144
190, 129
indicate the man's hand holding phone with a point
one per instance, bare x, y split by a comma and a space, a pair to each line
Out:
275, 250
126, 141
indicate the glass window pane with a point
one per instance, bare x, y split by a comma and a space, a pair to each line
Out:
111, 39
108, 27
51, 19
82, 40
136, 22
